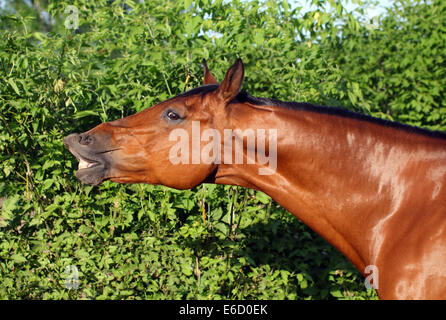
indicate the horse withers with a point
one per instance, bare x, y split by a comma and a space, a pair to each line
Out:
374, 189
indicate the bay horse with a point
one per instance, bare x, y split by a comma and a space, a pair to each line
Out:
374, 189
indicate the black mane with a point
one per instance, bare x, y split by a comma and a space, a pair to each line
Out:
244, 97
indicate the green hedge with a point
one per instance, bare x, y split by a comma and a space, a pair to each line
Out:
214, 242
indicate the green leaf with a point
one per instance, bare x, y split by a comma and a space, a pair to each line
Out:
336, 293
262, 197
18, 258
85, 113
186, 269
14, 86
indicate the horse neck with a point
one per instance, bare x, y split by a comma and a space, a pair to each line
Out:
342, 177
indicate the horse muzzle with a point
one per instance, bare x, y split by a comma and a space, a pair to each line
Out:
94, 162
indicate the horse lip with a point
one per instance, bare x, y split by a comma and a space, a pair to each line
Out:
92, 169
91, 172
92, 176
85, 162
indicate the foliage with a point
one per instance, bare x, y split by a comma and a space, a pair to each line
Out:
405, 77
214, 242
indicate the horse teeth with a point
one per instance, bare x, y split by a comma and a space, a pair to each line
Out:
83, 164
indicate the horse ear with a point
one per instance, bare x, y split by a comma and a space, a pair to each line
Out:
208, 77
230, 86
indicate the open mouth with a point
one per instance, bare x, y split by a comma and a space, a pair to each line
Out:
89, 171
85, 164
94, 161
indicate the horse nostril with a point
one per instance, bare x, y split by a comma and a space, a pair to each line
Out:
85, 139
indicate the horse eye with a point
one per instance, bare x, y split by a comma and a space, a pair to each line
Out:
172, 115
